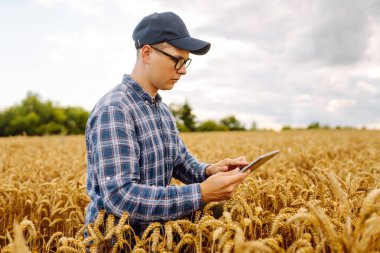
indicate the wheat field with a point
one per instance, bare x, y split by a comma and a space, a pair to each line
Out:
320, 194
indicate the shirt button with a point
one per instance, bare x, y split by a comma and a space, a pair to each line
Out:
146, 102
108, 178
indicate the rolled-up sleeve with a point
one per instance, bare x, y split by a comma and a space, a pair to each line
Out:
116, 153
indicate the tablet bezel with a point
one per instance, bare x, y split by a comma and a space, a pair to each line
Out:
259, 161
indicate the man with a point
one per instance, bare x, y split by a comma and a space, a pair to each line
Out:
133, 146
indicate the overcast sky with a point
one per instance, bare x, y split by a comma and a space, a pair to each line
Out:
274, 62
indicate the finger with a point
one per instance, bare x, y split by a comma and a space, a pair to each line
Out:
231, 162
237, 178
223, 169
220, 168
247, 172
241, 159
231, 172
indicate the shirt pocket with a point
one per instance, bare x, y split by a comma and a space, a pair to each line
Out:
151, 160
171, 146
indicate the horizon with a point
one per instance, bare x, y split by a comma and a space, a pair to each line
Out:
285, 127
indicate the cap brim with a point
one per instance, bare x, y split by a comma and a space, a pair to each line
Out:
194, 46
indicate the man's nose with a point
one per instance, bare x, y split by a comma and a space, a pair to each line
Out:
182, 70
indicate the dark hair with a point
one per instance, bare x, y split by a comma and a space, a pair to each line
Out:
161, 45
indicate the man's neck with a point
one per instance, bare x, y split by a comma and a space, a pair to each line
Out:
141, 79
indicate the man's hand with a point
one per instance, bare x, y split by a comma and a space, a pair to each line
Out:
226, 165
220, 186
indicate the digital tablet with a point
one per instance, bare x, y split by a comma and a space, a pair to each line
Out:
259, 161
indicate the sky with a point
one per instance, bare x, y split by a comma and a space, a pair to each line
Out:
272, 62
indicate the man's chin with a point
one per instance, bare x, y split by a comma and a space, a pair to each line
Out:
168, 87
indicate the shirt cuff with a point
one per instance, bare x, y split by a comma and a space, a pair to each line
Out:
203, 171
191, 198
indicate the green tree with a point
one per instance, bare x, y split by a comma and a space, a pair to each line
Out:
314, 125
76, 119
211, 125
232, 123
286, 128
36, 117
184, 117
5, 119
326, 126
176, 110
187, 116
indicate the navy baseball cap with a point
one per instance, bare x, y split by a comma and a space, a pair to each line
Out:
167, 27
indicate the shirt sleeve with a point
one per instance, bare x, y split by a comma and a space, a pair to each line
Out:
116, 153
187, 168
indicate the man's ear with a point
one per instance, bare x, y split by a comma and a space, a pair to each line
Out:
145, 53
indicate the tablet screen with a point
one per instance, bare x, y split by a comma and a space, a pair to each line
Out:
259, 161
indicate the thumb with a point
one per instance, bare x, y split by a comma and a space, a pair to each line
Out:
237, 178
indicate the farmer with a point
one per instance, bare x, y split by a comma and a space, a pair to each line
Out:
133, 146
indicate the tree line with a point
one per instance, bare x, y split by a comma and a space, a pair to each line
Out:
33, 116
36, 117
186, 121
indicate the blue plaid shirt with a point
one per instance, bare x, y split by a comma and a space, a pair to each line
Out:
133, 151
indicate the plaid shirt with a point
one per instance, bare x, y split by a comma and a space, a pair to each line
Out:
133, 150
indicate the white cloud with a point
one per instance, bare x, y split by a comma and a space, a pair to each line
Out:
88, 7
56, 56
335, 105
373, 71
262, 121
89, 40
366, 88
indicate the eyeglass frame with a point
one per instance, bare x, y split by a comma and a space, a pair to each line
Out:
186, 62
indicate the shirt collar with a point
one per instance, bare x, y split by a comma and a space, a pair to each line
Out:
136, 88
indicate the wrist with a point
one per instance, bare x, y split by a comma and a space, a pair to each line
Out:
207, 174
203, 188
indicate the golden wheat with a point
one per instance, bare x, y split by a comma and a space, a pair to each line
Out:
321, 194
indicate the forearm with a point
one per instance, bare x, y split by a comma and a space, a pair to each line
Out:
150, 203
187, 168
190, 171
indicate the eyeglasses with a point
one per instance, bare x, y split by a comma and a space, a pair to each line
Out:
179, 61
